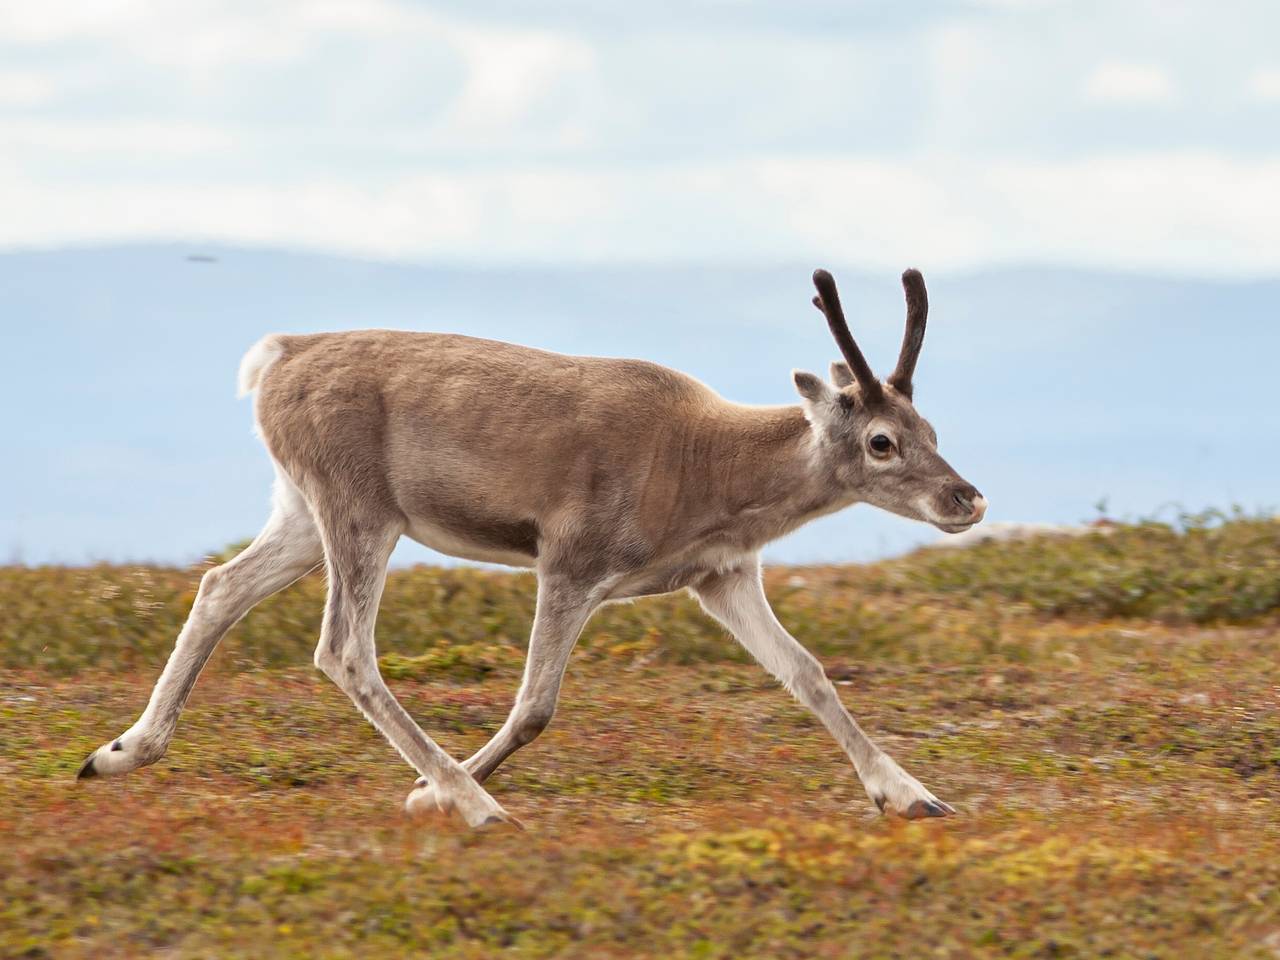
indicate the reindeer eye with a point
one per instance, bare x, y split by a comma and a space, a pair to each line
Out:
881, 444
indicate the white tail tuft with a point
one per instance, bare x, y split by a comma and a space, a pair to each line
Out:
260, 356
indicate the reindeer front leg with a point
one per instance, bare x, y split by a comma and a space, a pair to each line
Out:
736, 599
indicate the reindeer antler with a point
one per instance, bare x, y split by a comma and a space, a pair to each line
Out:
828, 301
913, 336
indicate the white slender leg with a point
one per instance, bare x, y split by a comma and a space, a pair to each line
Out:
356, 553
286, 549
738, 601
564, 606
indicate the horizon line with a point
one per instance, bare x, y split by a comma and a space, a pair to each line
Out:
196, 246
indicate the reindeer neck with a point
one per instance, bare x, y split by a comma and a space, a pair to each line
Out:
773, 479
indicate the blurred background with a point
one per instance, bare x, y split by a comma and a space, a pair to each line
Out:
1091, 189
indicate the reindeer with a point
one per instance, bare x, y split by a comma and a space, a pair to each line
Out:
612, 479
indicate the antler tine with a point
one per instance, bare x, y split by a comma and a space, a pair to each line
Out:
828, 301
913, 336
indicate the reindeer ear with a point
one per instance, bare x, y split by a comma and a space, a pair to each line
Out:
812, 387
841, 375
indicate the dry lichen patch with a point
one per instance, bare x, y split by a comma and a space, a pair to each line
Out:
674, 811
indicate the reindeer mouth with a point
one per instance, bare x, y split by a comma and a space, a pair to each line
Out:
978, 511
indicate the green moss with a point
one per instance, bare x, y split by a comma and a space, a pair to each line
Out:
1205, 571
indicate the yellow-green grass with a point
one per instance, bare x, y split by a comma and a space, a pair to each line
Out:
1115, 762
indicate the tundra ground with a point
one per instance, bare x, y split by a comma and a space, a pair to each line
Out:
1103, 712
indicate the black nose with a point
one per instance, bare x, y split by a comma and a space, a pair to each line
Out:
964, 496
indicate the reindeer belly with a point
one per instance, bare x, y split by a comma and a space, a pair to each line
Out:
483, 539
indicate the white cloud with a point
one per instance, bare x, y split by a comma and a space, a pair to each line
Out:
390, 127
203, 47
26, 88
508, 73
1264, 84
1199, 212
195, 35
364, 16
1016, 6
1129, 83
56, 20
106, 140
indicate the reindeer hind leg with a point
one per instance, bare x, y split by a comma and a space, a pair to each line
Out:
286, 549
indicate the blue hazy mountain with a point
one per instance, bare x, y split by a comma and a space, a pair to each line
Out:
1050, 389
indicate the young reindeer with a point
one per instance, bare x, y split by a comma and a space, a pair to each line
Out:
611, 478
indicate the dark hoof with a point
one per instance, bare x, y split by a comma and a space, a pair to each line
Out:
879, 803
928, 808
87, 769
493, 819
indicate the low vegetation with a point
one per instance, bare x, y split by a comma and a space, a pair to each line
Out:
1103, 710
1206, 568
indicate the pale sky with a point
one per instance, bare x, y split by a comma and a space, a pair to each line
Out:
953, 135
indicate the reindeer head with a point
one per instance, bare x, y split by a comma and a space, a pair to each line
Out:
870, 436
